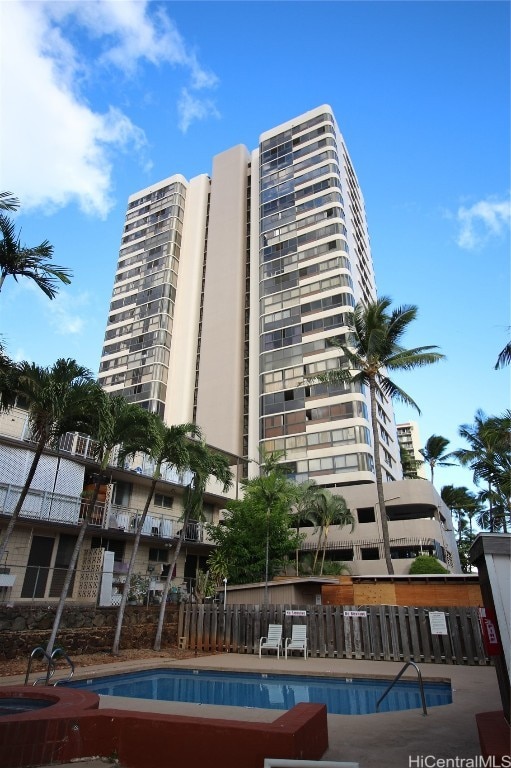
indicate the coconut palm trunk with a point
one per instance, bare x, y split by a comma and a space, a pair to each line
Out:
71, 568
379, 477
163, 606
131, 568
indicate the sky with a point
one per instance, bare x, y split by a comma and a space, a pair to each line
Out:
101, 98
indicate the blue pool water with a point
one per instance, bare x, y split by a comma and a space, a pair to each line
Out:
18, 705
342, 696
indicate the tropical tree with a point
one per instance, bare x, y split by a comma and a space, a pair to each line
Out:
8, 202
204, 463
409, 463
257, 533
168, 445
305, 511
116, 422
373, 347
58, 399
330, 510
17, 260
463, 505
504, 357
434, 453
8, 375
489, 456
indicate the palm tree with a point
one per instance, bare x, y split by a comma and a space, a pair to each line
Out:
330, 510
58, 400
463, 505
18, 260
7, 381
504, 357
374, 347
489, 457
409, 463
204, 464
169, 446
117, 422
434, 453
305, 511
8, 202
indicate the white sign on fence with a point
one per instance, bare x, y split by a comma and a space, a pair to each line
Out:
437, 623
356, 614
296, 613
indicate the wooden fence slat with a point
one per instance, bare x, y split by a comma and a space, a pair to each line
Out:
338, 633
375, 633
329, 632
213, 632
347, 635
403, 632
384, 629
473, 619
320, 613
357, 638
366, 638
394, 634
422, 616
416, 653
457, 650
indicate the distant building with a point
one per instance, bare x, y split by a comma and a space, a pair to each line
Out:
409, 440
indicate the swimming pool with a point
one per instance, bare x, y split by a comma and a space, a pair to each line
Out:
342, 696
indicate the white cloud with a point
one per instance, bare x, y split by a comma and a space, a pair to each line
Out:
64, 313
191, 108
482, 221
55, 146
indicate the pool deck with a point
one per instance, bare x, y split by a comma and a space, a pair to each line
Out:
397, 739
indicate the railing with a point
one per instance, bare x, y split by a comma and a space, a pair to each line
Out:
39, 651
50, 670
60, 653
397, 677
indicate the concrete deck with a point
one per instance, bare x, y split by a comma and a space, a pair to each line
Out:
393, 739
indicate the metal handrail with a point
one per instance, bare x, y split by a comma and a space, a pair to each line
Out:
63, 655
51, 666
421, 686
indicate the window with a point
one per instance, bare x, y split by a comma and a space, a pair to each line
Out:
158, 555
161, 500
369, 553
365, 515
122, 493
111, 545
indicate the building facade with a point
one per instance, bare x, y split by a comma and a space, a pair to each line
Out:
231, 291
409, 439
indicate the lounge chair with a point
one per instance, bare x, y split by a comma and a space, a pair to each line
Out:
273, 642
298, 640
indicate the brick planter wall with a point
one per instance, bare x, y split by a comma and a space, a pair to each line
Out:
83, 629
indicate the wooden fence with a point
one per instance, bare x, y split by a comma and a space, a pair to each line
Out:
384, 633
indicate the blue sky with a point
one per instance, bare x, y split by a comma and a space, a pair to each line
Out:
100, 99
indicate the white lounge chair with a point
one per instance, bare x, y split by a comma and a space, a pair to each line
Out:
274, 640
298, 640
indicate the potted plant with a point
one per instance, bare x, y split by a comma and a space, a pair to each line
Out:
138, 589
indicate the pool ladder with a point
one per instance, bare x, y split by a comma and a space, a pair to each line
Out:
50, 671
421, 686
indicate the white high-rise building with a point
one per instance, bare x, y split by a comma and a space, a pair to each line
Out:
232, 289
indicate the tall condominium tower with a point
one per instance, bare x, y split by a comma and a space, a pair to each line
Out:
232, 290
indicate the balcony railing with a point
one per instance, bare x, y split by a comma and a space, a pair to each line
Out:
70, 510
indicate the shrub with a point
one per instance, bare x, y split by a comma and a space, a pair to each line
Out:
427, 564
